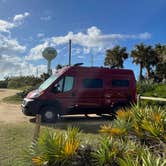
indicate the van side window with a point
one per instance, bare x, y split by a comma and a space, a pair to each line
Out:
65, 84
68, 84
92, 83
120, 83
60, 83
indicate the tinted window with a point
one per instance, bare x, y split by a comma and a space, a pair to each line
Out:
68, 85
60, 83
65, 84
92, 83
121, 83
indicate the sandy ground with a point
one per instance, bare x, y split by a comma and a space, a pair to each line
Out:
10, 113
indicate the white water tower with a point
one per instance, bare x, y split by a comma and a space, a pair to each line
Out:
49, 54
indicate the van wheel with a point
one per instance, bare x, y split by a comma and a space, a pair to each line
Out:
49, 114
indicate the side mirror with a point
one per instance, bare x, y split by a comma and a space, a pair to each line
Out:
55, 88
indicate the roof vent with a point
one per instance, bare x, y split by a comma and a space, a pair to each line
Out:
78, 64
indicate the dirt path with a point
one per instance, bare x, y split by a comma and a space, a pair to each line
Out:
10, 113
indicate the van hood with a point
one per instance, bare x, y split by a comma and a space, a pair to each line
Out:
34, 94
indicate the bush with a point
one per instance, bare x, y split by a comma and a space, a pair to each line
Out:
55, 148
3, 84
23, 81
137, 137
148, 88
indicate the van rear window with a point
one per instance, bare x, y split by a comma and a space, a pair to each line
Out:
120, 83
92, 83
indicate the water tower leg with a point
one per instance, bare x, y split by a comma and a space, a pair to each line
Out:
49, 67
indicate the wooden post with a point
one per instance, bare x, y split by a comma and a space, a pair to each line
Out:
138, 100
37, 127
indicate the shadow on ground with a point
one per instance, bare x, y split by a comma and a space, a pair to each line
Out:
85, 124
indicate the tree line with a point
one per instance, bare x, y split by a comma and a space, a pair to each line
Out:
151, 58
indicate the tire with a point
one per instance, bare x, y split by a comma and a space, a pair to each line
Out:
49, 114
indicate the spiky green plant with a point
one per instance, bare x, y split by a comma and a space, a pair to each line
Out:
110, 150
106, 152
148, 159
128, 161
144, 158
55, 148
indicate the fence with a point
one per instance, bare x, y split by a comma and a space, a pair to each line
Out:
150, 98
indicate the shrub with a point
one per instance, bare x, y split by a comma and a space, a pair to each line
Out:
23, 81
148, 88
3, 84
136, 137
55, 148
144, 123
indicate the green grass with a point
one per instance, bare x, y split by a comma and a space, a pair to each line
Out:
13, 139
16, 137
12, 99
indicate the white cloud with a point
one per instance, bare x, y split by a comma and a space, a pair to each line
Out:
15, 66
20, 17
46, 18
35, 53
10, 46
5, 26
40, 35
92, 41
11, 49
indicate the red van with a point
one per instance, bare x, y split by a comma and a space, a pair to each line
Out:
81, 90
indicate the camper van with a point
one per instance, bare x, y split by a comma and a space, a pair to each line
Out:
81, 90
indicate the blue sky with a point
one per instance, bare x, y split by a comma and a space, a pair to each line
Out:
28, 26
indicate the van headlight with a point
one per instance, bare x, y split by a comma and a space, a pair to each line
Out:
25, 101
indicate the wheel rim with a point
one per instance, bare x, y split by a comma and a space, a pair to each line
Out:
49, 115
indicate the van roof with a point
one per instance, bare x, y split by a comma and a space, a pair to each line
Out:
93, 69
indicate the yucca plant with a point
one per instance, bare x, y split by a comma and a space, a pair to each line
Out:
149, 123
71, 142
148, 159
106, 153
128, 161
55, 148
110, 150
144, 158
121, 126
113, 131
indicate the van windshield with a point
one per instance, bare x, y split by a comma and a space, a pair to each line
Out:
47, 82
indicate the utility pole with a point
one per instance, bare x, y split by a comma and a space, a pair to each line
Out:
92, 60
37, 72
70, 52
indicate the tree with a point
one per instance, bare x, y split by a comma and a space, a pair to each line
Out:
161, 65
59, 67
44, 76
146, 57
116, 56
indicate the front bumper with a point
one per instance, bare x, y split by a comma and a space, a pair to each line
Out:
30, 107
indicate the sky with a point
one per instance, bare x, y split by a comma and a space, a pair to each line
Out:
27, 27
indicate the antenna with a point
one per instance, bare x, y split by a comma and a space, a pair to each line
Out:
70, 52
49, 54
92, 60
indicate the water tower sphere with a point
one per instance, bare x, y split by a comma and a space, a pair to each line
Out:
49, 53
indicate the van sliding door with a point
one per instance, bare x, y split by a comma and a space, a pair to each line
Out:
90, 92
